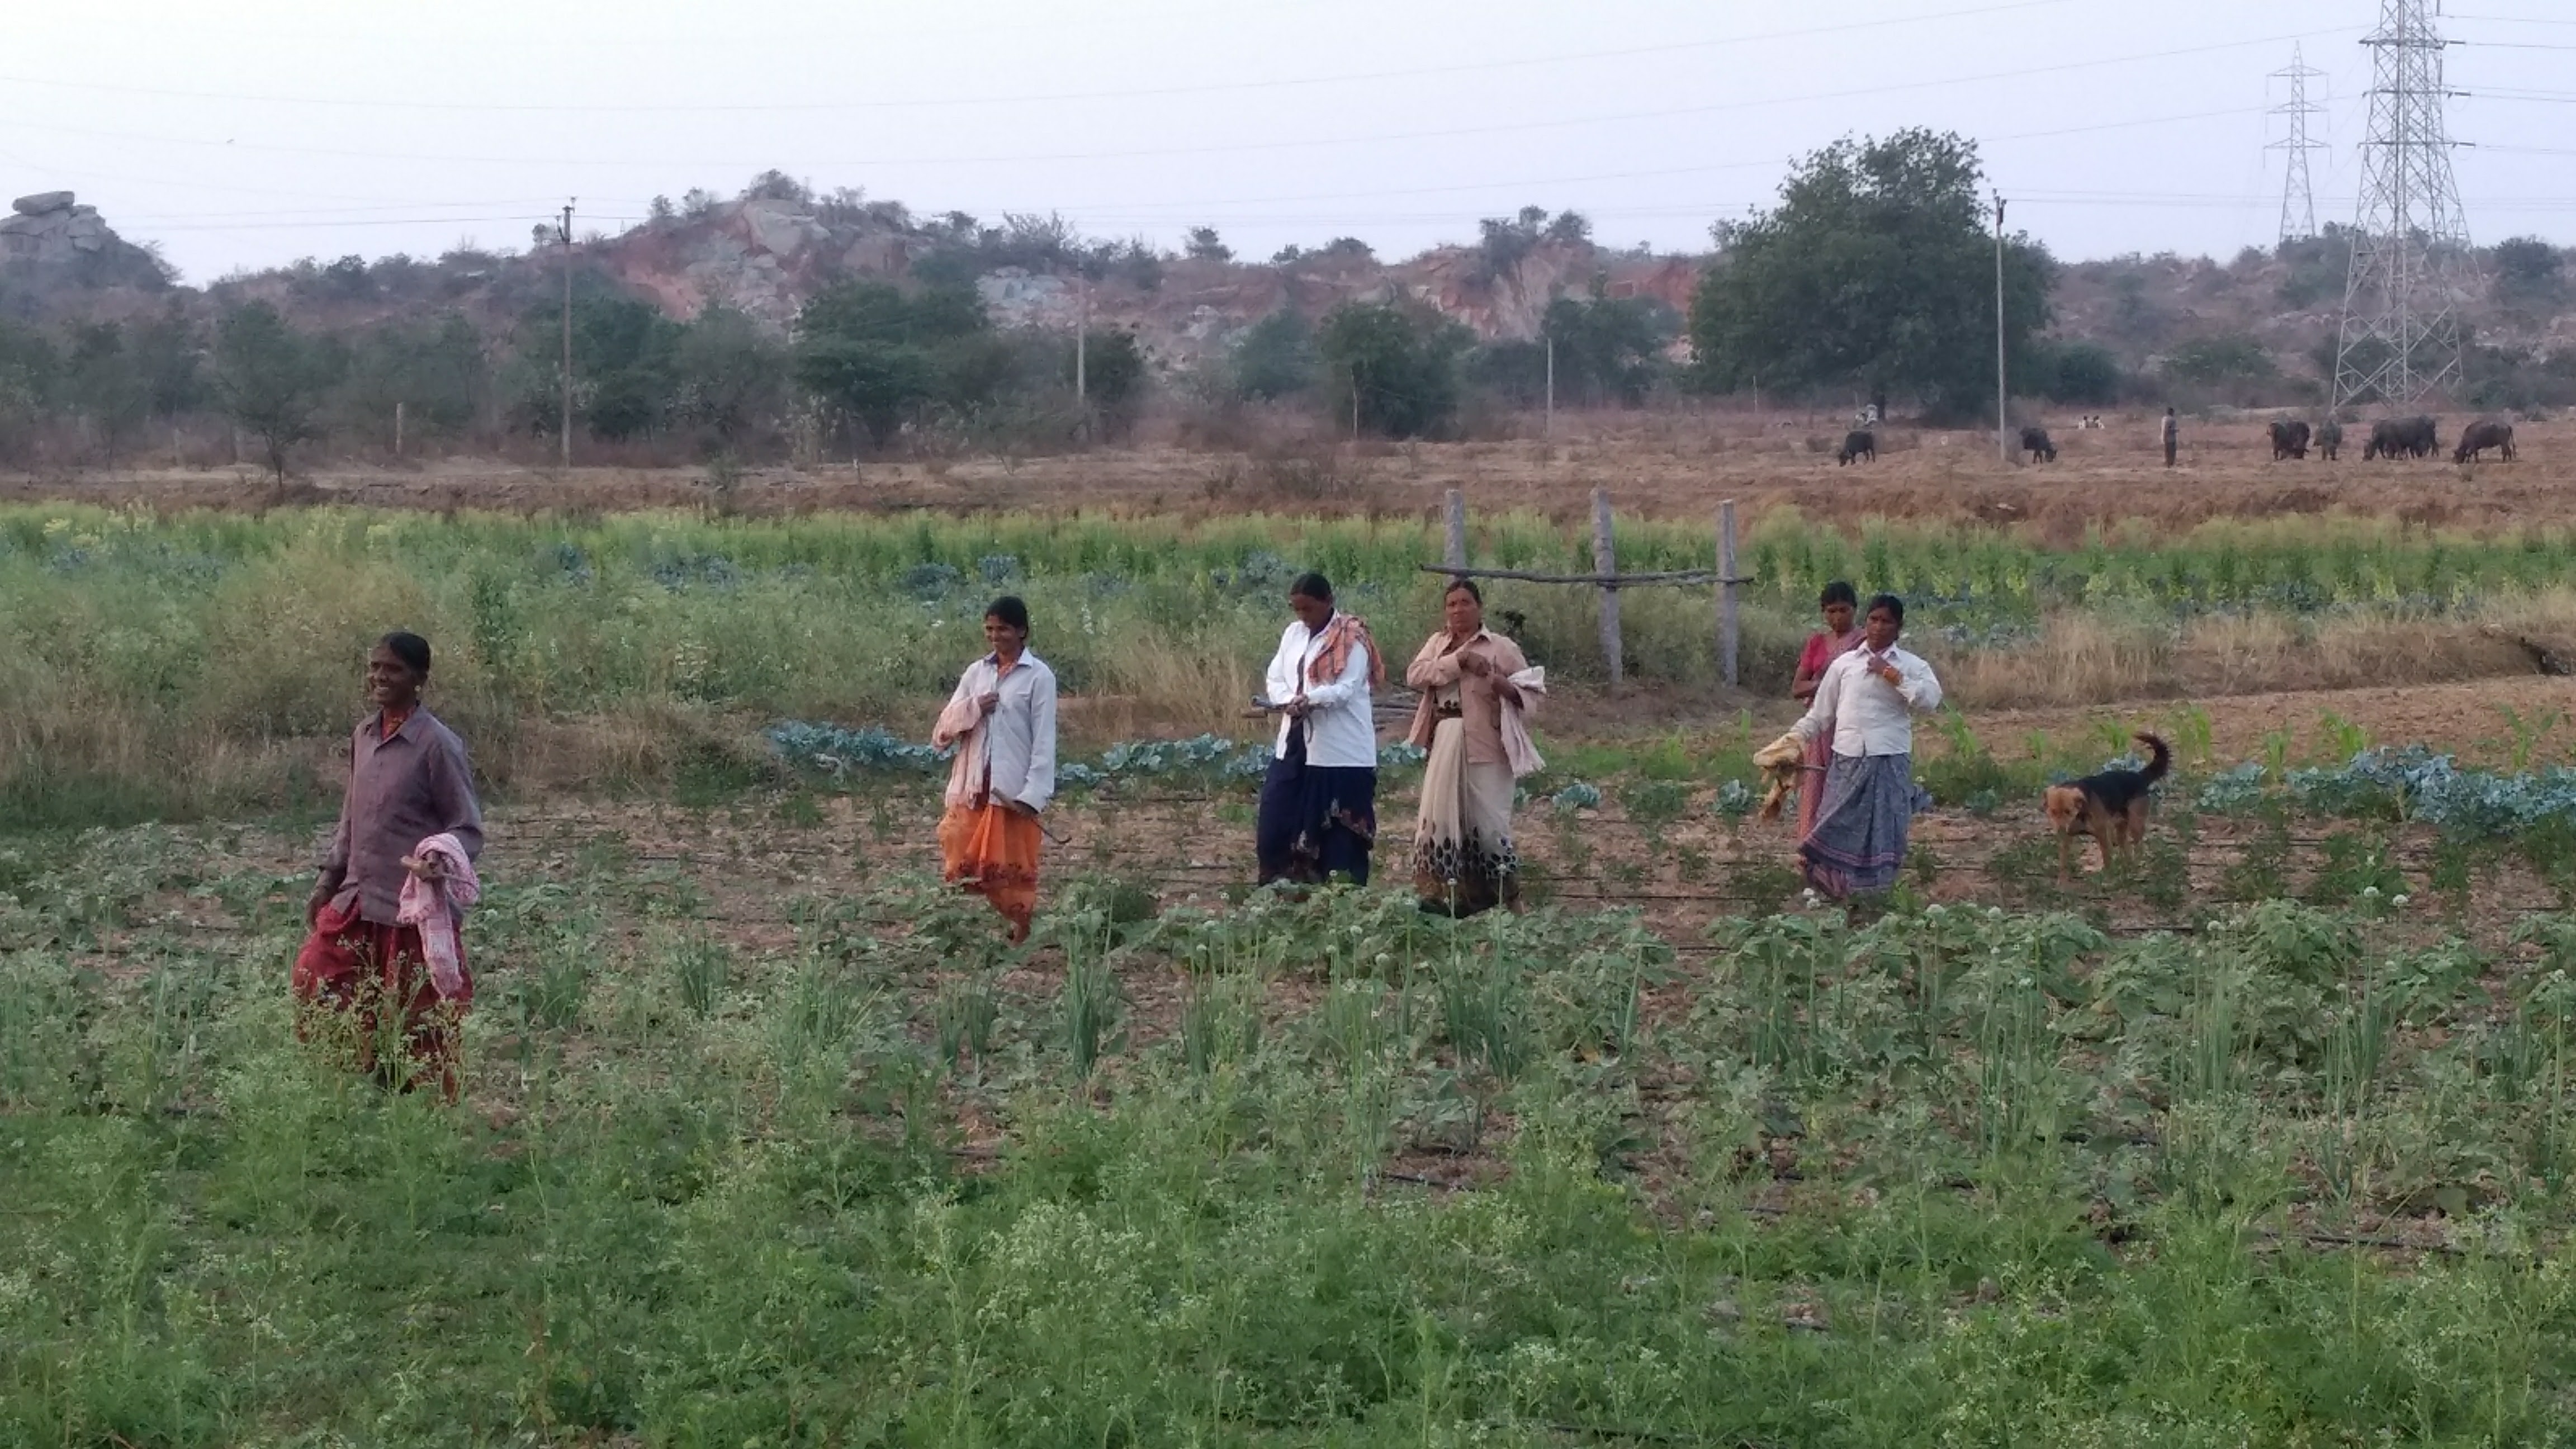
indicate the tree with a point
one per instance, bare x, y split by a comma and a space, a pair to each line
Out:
435, 371
1275, 357
271, 379
732, 373
2070, 372
2223, 360
1399, 363
2526, 268
1876, 273
874, 383
1206, 246
625, 384
107, 387
877, 354
28, 377
167, 353
1113, 369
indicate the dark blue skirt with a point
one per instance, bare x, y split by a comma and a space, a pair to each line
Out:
1316, 821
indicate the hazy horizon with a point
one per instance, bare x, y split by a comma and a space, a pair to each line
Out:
282, 129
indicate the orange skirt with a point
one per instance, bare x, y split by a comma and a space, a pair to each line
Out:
992, 850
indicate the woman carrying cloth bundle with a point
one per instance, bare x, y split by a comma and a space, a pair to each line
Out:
1842, 633
383, 958
1319, 801
1477, 691
1864, 708
1002, 719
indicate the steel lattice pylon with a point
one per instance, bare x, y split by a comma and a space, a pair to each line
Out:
2401, 305
2298, 194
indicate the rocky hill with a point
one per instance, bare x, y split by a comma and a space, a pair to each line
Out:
56, 252
2265, 314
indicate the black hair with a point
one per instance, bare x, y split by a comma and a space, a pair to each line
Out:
1467, 586
1839, 592
1313, 586
1010, 609
1894, 606
410, 648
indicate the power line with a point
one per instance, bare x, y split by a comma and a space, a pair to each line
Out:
1054, 97
2019, 73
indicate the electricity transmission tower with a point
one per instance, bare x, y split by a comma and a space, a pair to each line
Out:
2298, 194
2400, 337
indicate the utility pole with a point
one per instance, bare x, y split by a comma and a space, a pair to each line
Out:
2003, 407
566, 419
2298, 193
2400, 336
1551, 387
1081, 346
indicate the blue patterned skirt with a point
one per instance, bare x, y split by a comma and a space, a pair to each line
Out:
1858, 844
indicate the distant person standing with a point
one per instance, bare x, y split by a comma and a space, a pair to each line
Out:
2173, 436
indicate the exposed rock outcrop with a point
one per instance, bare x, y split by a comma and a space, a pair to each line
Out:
50, 229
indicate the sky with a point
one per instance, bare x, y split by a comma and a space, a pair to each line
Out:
250, 133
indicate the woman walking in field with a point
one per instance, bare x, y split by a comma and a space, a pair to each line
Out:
1319, 802
1864, 708
1002, 719
1477, 691
1842, 632
395, 886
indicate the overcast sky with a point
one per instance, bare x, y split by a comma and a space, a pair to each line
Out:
253, 132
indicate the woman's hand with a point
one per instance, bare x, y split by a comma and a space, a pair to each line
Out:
1508, 692
1890, 673
990, 702
428, 868
313, 905
1472, 662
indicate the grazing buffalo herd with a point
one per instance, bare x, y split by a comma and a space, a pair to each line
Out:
2415, 437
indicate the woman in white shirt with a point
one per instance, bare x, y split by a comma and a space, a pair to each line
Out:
1319, 802
1002, 720
1865, 706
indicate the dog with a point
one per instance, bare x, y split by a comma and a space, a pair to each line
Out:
2111, 807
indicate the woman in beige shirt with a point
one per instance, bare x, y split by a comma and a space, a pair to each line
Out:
1476, 691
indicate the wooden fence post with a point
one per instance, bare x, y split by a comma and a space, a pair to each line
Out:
1455, 554
1726, 619
1605, 562
398, 422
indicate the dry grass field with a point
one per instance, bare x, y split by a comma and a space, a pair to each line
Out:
1672, 467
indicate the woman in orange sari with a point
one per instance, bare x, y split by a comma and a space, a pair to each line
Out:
1842, 631
1002, 721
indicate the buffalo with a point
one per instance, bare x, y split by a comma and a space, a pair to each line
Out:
2289, 439
2478, 437
2329, 438
2034, 441
1858, 446
2416, 437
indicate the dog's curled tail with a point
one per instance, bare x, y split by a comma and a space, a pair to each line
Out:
2160, 759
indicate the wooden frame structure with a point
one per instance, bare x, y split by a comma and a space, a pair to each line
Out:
1605, 576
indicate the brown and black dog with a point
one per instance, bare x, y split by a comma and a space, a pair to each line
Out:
2111, 807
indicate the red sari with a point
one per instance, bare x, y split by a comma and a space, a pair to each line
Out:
1822, 649
348, 980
